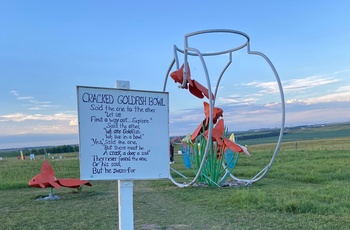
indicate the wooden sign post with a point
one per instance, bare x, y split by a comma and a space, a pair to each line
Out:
124, 136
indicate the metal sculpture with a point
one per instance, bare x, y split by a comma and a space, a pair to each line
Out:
215, 134
46, 179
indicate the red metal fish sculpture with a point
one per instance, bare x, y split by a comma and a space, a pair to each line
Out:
46, 179
223, 142
194, 86
218, 136
217, 113
200, 91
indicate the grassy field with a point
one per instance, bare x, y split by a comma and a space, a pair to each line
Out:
308, 187
330, 131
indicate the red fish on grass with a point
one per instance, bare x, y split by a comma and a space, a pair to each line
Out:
46, 179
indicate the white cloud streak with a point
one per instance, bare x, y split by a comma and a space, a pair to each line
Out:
20, 123
292, 85
308, 86
307, 83
32, 103
19, 117
238, 100
343, 88
335, 97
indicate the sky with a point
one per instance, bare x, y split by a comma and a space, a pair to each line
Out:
48, 48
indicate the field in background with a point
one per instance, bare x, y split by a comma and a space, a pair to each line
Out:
308, 187
296, 134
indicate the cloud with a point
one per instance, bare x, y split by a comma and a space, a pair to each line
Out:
38, 122
341, 71
54, 129
15, 93
304, 90
301, 114
343, 88
235, 99
341, 95
19, 117
32, 103
292, 85
73, 122
270, 87
307, 83
186, 115
36, 105
21, 123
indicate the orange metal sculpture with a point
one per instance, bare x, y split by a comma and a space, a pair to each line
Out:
194, 86
218, 131
217, 113
46, 179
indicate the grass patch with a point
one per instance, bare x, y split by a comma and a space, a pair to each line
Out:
305, 189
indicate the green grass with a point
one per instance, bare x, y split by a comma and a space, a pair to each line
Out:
307, 188
303, 190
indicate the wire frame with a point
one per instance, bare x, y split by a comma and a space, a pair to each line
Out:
190, 51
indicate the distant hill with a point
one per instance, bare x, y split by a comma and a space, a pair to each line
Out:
296, 133
39, 150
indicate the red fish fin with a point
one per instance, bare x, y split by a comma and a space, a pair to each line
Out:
196, 132
178, 75
87, 183
217, 136
233, 146
206, 112
202, 89
41, 185
73, 183
194, 90
54, 184
46, 169
220, 127
217, 112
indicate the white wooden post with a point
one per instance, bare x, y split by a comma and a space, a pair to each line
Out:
125, 204
125, 189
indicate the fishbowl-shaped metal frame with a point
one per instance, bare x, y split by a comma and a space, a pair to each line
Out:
190, 51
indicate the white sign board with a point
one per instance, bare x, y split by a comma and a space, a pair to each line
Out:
123, 134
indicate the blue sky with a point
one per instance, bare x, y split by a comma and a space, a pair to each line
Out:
47, 48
